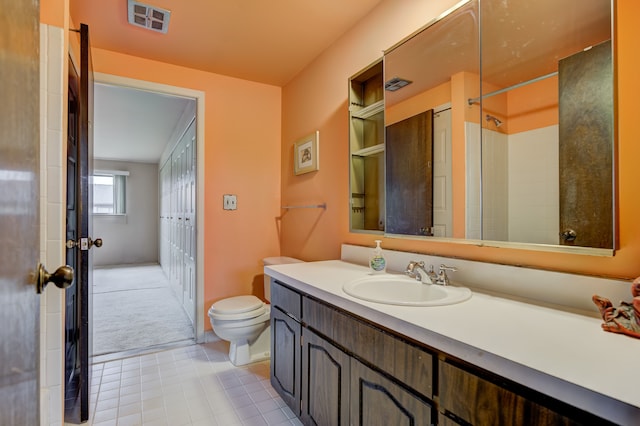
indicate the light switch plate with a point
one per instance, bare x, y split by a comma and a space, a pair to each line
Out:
229, 202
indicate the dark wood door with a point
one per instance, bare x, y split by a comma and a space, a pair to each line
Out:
78, 344
19, 212
72, 310
586, 148
377, 400
409, 175
286, 358
325, 383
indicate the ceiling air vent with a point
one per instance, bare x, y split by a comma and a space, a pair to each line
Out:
396, 83
150, 17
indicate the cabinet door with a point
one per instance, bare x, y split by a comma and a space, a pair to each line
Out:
479, 402
325, 382
285, 358
377, 400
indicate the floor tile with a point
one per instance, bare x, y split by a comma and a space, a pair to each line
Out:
192, 386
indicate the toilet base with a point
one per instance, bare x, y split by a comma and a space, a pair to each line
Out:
242, 352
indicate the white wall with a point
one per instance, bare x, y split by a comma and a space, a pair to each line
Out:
523, 172
495, 170
473, 228
132, 238
53, 175
533, 186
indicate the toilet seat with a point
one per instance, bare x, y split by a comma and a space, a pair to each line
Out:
237, 308
243, 323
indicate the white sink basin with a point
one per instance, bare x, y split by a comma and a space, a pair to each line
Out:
401, 290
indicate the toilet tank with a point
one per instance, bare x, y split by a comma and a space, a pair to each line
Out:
277, 260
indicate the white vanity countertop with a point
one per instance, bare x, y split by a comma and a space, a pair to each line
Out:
561, 354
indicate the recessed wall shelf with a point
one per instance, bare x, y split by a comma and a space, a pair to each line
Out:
366, 148
367, 111
372, 150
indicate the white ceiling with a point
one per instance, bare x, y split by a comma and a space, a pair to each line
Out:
134, 125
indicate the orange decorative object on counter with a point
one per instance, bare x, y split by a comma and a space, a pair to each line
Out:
625, 319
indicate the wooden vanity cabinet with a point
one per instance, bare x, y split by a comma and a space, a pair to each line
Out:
396, 357
334, 368
471, 399
349, 371
286, 351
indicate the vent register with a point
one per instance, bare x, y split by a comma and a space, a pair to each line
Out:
150, 17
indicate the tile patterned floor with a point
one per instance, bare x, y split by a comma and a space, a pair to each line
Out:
192, 385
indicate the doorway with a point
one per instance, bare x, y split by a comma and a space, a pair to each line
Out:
137, 128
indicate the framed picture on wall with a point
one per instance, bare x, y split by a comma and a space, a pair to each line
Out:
306, 155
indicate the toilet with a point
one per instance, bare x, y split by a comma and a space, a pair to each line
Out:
243, 321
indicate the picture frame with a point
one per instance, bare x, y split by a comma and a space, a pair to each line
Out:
306, 156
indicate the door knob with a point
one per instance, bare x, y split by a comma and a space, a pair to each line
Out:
569, 235
62, 277
97, 242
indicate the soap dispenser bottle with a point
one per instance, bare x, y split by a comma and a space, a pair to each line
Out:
377, 262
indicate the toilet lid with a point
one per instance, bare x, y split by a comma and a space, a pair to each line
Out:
238, 307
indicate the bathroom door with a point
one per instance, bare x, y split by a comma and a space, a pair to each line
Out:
19, 212
409, 175
72, 374
78, 330
442, 182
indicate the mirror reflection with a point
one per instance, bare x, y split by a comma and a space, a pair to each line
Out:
547, 119
442, 64
520, 150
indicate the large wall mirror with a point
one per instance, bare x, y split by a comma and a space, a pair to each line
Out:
499, 126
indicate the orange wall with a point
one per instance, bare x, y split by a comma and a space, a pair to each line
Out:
317, 99
532, 106
242, 157
421, 102
54, 12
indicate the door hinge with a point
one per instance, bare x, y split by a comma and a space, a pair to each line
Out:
301, 340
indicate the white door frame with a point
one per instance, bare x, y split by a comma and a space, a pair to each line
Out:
199, 97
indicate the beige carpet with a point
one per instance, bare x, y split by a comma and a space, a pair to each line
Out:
134, 308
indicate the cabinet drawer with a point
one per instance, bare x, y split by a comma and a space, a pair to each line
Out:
403, 360
479, 401
286, 299
377, 400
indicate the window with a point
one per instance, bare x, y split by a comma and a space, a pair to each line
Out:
110, 192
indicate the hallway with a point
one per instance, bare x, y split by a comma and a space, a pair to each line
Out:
134, 308
191, 385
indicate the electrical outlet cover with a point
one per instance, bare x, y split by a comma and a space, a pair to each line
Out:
229, 202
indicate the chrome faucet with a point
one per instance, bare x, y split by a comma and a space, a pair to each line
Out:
417, 270
442, 277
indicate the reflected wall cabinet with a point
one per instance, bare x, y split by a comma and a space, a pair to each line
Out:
366, 148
